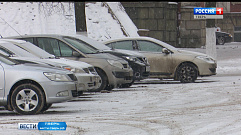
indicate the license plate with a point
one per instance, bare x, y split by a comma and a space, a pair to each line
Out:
148, 68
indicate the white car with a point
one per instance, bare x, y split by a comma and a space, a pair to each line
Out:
88, 79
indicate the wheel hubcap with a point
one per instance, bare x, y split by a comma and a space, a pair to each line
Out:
187, 74
27, 100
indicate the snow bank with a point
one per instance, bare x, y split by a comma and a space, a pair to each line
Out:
36, 18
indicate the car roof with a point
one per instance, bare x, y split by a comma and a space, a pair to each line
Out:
3, 40
36, 35
129, 38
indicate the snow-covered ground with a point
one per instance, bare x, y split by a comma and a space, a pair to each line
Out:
211, 106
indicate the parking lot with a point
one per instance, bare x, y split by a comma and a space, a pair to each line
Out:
211, 105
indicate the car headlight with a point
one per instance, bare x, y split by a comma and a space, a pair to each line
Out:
74, 70
115, 63
131, 58
57, 77
206, 58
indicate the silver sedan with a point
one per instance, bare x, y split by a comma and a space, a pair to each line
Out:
31, 88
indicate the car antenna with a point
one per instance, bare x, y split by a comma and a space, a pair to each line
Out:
10, 26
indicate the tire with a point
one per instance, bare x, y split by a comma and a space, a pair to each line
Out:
221, 40
127, 85
187, 73
104, 81
46, 107
27, 99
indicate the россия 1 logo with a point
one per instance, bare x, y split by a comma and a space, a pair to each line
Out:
208, 13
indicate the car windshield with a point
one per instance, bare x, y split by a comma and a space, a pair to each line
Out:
16, 50
35, 50
80, 45
93, 43
7, 60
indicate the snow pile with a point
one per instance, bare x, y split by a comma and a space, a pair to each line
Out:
102, 26
36, 18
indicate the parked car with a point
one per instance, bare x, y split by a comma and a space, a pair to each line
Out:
31, 88
167, 61
113, 70
222, 37
137, 61
88, 79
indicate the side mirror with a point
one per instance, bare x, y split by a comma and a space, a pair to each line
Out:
165, 50
76, 54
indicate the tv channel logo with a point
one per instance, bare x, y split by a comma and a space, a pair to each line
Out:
208, 13
43, 126
28, 126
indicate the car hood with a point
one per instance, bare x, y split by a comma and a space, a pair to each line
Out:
125, 52
191, 53
40, 68
103, 56
72, 63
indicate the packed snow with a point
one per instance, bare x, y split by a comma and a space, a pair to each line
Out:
210, 106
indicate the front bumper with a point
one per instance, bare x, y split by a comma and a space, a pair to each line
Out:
120, 76
206, 69
87, 81
52, 89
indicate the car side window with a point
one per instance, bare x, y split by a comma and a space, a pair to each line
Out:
149, 46
66, 51
28, 39
126, 45
50, 45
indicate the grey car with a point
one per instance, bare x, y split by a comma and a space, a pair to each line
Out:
20, 50
137, 61
114, 71
31, 88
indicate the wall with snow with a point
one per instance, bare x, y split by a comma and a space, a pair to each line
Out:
36, 18
102, 26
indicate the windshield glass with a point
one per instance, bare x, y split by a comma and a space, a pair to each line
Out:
35, 50
7, 60
16, 50
80, 45
93, 43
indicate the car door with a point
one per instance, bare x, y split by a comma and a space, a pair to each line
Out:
125, 45
57, 48
1, 81
160, 62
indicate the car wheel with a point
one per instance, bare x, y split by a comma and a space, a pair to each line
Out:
27, 99
221, 40
187, 73
46, 107
103, 81
127, 85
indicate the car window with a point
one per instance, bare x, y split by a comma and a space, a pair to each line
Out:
27, 39
126, 45
50, 45
80, 45
149, 46
66, 51
7, 60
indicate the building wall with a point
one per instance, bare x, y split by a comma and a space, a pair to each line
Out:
192, 31
160, 18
